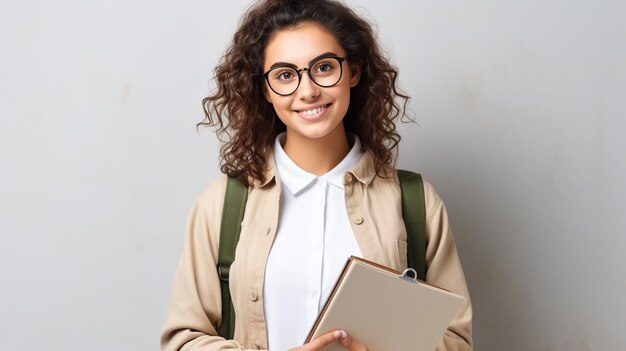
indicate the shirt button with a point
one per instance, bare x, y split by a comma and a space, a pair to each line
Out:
349, 178
253, 296
358, 220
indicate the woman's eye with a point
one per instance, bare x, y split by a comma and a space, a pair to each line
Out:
284, 75
324, 67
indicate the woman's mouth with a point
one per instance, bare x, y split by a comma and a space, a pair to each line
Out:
314, 112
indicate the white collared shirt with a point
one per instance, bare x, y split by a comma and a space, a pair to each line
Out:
313, 219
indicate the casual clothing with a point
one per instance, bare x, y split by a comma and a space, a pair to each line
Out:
314, 238
373, 204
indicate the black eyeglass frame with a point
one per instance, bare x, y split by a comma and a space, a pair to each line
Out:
308, 71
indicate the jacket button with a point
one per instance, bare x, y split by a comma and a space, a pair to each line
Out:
253, 296
358, 220
349, 178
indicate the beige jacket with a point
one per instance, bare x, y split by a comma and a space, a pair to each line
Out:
374, 206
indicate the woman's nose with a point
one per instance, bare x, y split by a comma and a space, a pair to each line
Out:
308, 89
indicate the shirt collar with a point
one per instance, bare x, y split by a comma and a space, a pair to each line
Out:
296, 179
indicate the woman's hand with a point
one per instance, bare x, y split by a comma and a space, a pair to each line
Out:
349, 343
319, 343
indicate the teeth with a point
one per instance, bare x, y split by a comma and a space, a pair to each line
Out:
313, 111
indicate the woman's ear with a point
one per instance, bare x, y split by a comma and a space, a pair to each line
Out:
266, 93
355, 74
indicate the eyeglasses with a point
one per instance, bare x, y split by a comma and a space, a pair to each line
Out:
284, 80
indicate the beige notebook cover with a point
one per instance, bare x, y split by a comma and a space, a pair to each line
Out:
384, 311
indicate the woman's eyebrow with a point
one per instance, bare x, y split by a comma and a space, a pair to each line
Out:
324, 55
283, 64
287, 64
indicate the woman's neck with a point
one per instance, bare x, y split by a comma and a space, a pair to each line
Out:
317, 156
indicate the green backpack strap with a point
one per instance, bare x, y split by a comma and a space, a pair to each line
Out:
232, 215
414, 215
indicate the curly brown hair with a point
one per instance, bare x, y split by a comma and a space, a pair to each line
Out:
247, 124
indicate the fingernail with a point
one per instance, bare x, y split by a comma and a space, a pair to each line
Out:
340, 334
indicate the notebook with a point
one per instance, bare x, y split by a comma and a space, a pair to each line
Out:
385, 310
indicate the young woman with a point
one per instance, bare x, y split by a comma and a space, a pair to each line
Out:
305, 106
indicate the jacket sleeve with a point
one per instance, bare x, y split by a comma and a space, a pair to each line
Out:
444, 270
194, 310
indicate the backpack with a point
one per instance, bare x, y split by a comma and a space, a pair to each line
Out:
413, 213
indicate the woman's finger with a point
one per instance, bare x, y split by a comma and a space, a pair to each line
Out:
322, 341
349, 343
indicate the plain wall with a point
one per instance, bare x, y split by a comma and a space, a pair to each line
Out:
520, 127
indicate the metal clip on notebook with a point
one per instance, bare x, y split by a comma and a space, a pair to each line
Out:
409, 274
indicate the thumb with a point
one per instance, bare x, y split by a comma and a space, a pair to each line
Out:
349, 343
346, 340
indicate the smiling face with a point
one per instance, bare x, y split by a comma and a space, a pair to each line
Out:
312, 112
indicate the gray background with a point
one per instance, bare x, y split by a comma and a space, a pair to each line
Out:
521, 119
